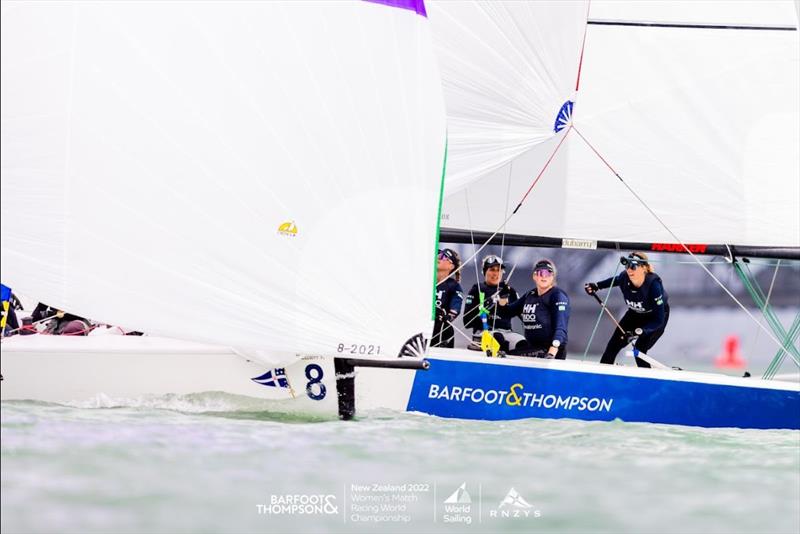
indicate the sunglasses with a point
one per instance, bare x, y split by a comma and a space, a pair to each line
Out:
632, 263
445, 256
543, 272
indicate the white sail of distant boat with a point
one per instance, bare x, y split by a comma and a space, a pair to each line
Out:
258, 175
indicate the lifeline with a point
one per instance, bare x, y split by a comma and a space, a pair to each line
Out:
514, 397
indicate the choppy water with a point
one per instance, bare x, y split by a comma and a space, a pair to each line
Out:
205, 463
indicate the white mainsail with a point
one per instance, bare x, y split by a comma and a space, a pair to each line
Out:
694, 104
252, 174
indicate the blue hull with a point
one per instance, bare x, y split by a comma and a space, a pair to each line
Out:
479, 390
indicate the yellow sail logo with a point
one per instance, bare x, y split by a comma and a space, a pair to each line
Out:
288, 229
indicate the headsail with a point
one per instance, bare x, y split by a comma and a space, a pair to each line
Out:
695, 107
259, 175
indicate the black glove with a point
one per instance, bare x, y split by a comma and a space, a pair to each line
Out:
590, 288
503, 290
440, 314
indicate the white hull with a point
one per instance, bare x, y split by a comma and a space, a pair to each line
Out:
125, 369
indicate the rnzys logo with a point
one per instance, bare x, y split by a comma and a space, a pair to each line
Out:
514, 506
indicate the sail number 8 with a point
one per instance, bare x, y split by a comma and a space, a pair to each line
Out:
354, 348
315, 380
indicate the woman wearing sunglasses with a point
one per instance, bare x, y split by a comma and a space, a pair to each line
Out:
544, 311
648, 308
449, 297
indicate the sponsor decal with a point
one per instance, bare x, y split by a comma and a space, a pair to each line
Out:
676, 247
275, 378
579, 243
516, 396
288, 229
635, 305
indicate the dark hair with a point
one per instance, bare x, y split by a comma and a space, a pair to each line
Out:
453, 256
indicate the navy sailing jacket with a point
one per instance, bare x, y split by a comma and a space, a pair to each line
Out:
649, 301
472, 316
544, 317
449, 297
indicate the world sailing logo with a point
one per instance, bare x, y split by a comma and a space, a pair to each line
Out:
275, 378
288, 229
458, 507
459, 496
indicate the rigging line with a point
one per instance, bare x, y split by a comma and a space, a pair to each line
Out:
569, 129
680, 242
503, 240
497, 231
463, 334
600, 312
583, 46
472, 240
769, 294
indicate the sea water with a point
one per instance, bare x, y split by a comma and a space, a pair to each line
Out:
215, 463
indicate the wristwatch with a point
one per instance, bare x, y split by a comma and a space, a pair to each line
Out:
556, 343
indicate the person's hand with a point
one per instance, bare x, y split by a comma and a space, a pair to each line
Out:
590, 288
451, 316
503, 302
440, 314
551, 352
59, 314
504, 291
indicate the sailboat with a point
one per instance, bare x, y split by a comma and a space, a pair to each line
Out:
265, 188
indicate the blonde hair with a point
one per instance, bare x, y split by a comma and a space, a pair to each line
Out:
642, 256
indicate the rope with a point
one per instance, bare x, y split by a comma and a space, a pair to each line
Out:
600, 312
503, 225
679, 241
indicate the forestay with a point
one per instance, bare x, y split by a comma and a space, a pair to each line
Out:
225, 172
694, 104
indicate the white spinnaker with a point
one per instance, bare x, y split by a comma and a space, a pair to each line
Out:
152, 151
702, 124
506, 65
